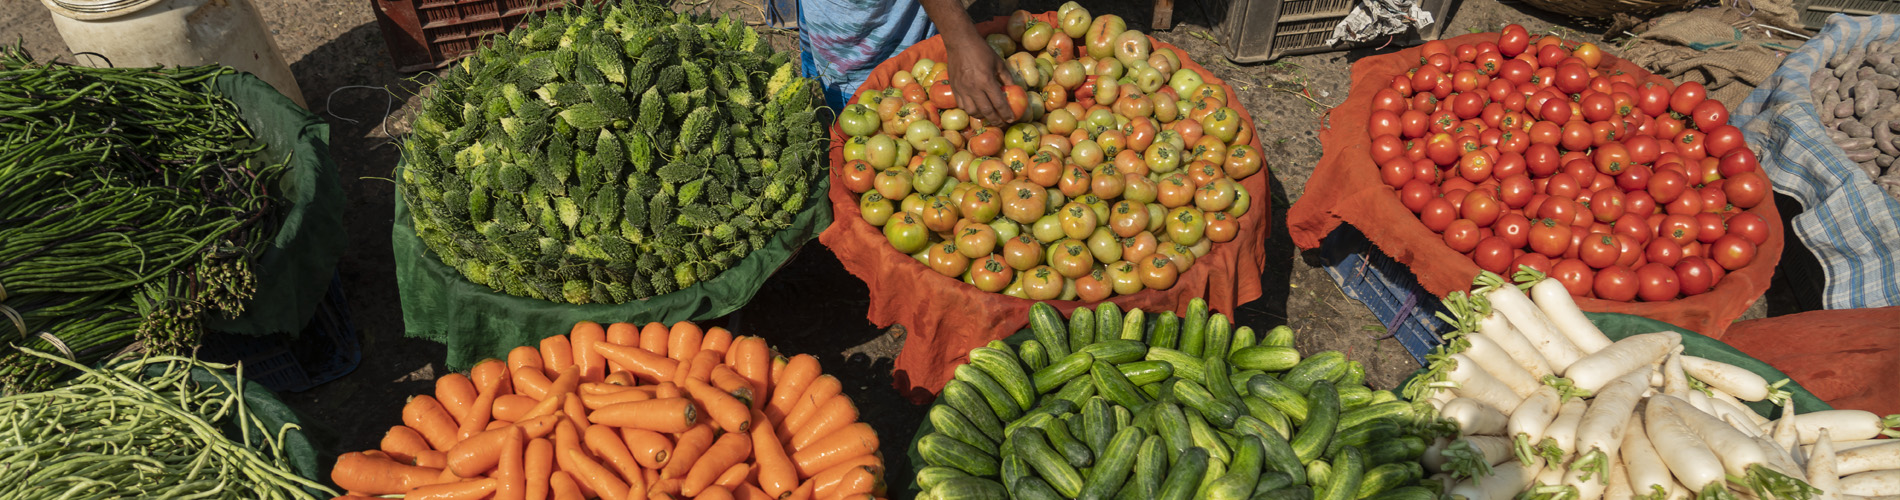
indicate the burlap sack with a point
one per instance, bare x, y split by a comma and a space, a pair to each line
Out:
1705, 46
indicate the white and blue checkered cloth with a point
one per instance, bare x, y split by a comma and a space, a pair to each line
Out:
1851, 225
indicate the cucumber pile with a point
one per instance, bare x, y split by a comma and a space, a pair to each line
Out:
1106, 405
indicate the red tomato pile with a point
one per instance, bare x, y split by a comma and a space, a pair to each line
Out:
1533, 152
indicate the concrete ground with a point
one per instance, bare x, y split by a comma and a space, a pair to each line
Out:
813, 306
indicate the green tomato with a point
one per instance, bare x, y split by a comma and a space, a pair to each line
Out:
1185, 82
1162, 156
881, 151
1048, 229
920, 132
1104, 245
854, 147
1186, 225
859, 120
1242, 201
931, 175
954, 119
1024, 136
937, 146
875, 208
1006, 229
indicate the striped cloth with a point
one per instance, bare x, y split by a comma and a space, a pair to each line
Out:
1852, 226
841, 41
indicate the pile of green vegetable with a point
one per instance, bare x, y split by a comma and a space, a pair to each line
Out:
141, 428
133, 203
609, 154
1112, 405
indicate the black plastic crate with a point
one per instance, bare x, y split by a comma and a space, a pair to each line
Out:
1814, 13
326, 349
1367, 275
1261, 30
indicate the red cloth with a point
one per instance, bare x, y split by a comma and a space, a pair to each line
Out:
945, 318
1346, 187
1847, 357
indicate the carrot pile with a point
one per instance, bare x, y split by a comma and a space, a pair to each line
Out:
627, 412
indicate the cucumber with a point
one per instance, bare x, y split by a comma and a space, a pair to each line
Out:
1185, 366
1123, 416
1108, 321
1184, 477
1348, 471
1081, 328
1383, 396
1014, 468
1051, 407
1399, 411
1279, 336
1061, 371
1113, 468
1049, 328
1240, 379
1220, 413
1220, 337
1218, 382
1271, 480
1363, 435
1153, 390
999, 364
1238, 482
1151, 467
968, 488
1403, 449
1289, 401
938, 449
1318, 473
1033, 447
1133, 324
1353, 397
928, 477
1258, 408
1171, 424
970, 403
1073, 422
1320, 424
1194, 327
1110, 383
1034, 488
993, 393
1386, 477
1064, 442
1077, 391
1279, 455
1098, 425
1323, 366
1294, 493
1033, 355
1167, 334
1146, 372
1243, 338
1215, 469
951, 423
1406, 493
1265, 357
1116, 351
1203, 436
1355, 375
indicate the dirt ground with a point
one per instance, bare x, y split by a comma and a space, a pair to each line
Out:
812, 305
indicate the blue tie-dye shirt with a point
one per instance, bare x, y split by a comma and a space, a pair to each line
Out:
843, 40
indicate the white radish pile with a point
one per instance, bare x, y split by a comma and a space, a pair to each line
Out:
1549, 408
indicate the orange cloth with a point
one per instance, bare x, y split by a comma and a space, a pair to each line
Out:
1847, 357
945, 318
1346, 187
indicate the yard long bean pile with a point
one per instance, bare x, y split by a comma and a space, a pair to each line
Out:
141, 428
132, 202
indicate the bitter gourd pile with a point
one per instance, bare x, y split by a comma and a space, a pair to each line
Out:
609, 153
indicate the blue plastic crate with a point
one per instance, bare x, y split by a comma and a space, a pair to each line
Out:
326, 349
1366, 274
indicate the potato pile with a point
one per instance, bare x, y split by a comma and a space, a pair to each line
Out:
1856, 96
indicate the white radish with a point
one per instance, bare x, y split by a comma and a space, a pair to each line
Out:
1555, 301
1434, 458
1786, 435
1504, 482
1846, 425
1699, 400
1476, 456
1530, 419
1744, 410
1580, 487
1690, 459
1530, 321
1472, 382
1560, 439
1619, 488
1872, 484
1729, 416
1473, 417
1679, 492
1649, 476
1675, 382
1824, 467
1495, 361
1740, 454
1551, 479
1600, 431
1840, 446
1498, 329
1779, 459
1636, 352
1741, 383
1866, 458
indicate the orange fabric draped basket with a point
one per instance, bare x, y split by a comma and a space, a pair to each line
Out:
1847, 357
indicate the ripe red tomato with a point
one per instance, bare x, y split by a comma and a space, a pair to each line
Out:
1572, 78
1513, 40
1606, 205
1656, 282
1632, 225
1631, 251
1425, 170
1549, 56
1467, 105
1690, 144
1576, 136
1508, 164
1723, 139
1563, 184
1750, 227
1599, 250
1688, 204
1747, 189
1442, 152
1514, 228
1736, 162
1679, 228
1663, 250
1516, 191
1414, 123
1686, 97
1694, 275
1612, 158
859, 176
1480, 207
1653, 98
1576, 276
1643, 149
1426, 79
1709, 227
1639, 202
1615, 283
1438, 214
1461, 235
1396, 173
1475, 167
1401, 84
1493, 254
1635, 177
1598, 107
1541, 158
1385, 122
1714, 200
1732, 252
1667, 185
1535, 261
1550, 237
1386, 147
1709, 114
1388, 100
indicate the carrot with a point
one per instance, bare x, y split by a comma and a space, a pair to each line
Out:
476, 418
804, 492
426, 415
778, 369
549, 406
682, 341
562, 487
699, 367
511, 474
715, 492
845, 444
727, 411
523, 357
716, 339
569, 379
650, 476
653, 339
464, 490
659, 495
729, 449
857, 481
750, 492
596, 402
497, 424
557, 353
583, 336
798, 374
530, 381
821, 390
537, 462
727, 380
566, 437
620, 376
755, 364
627, 334
737, 474
577, 413
686, 450
826, 481
830, 416
377, 454
455, 392
376, 476
669, 487
603, 442
539, 426
512, 407
669, 415
595, 476
648, 447
480, 453
667, 390
433, 459
646, 365
491, 373
403, 444
776, 473
447, 476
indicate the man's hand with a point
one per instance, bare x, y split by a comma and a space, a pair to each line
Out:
977, 77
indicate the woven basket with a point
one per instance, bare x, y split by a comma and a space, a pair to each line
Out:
1606, 8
